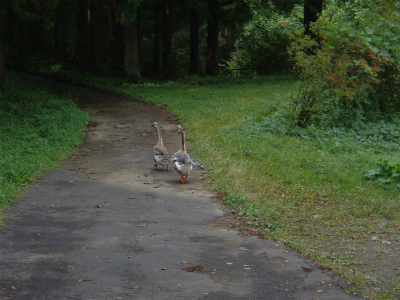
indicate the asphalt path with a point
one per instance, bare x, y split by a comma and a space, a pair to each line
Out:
107, 224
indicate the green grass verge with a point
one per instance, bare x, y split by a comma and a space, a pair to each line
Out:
37, 131
308, 190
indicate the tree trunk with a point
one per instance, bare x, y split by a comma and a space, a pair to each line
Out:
60, 28
3, 78
312, 8
101, 41
194, 42
212, 67
167, 38
158, 47
132, 68
118, 45
35, 31
82, 25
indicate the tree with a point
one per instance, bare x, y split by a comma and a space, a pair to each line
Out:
194, 42
132, 67
62, 22
100, 33
158, 45
82, 26
212, 66
3, 78
167, 37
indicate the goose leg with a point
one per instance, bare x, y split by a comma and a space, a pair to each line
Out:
183, 179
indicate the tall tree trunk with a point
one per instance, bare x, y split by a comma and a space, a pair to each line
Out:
212, 67
118, 45
101, 41
158, 46
82, 25
3, 78
194, 42
132, 67
167, 38
35, 30
60, 31
312, 8
5, 25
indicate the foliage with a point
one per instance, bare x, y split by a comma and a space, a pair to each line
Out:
348, 72
386, 172
263, 44
37, 130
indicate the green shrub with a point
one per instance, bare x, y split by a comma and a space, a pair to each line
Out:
351, 70
263, 45
386, 172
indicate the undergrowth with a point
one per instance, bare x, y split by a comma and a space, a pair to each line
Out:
37, 130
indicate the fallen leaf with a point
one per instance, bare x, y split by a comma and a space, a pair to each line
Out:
163, 269
306, 269
197, 268
118, 297
13, 287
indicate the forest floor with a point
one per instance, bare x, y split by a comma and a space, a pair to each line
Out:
109, 225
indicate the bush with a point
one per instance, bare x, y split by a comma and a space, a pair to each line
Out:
263, 45
351, 70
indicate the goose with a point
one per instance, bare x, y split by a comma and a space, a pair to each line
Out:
182, 161
159, 150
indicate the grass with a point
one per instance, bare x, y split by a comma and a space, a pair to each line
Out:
37, 131
307, 189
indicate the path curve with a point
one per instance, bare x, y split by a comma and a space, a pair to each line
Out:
108, 225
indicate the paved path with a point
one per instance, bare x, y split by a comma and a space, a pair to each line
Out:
108, 225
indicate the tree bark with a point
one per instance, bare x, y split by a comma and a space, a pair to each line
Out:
312, 8
212, 67
35, 30
101, 41
194, 42
132, 67
60, 28
167, 38
158, 45
82, 25
3, 78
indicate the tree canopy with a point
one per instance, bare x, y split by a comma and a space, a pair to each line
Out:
354, 44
